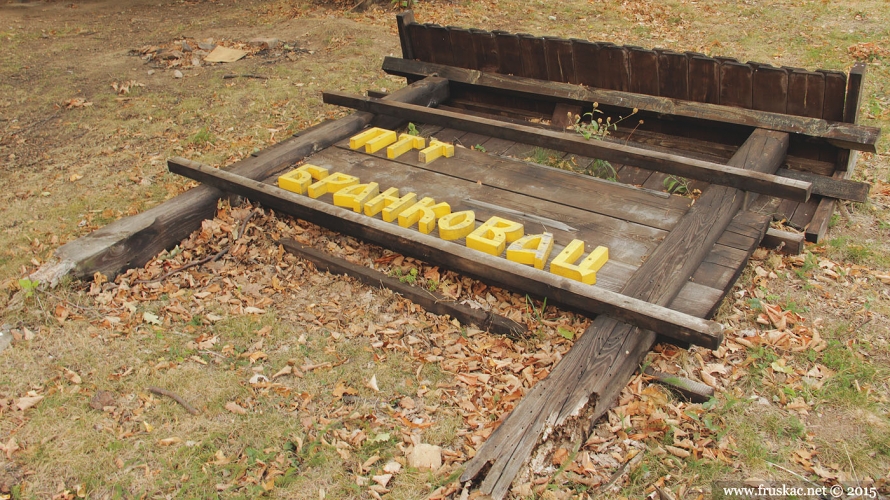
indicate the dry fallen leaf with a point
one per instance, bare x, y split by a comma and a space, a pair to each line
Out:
235, 408
372, 384
169, 441
27, 402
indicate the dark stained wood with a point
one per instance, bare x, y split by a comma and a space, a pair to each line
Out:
736, 84
586, 59
835, 93
534, 60
846, 161
673, 74
770, 89
704, 79
606, 150
421, 44
440, 44
564, 115
133, 241
831, 187
596, 368
403, 21
464, 52
433, 302
477, 264
643, 71
509, 54
806, 93
558, 54
486, 47
612, 63
783, 241
840, 134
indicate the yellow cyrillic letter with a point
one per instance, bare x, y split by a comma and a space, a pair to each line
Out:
406, 143
424, 213
435, 150
355, 197
369, 135
492, 236
531, 249
332, 184
585, 271
298, 180
455, 226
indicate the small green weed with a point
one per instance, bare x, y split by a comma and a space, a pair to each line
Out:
202, 137
412, 129
28, 286
479, 147
675, 184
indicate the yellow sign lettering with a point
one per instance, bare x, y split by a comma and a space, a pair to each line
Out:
332, 184
299, 179
355, 197
585, 271
424, 213
435, 150
367, 136
533, 249
492, 236
406, 143
457, 225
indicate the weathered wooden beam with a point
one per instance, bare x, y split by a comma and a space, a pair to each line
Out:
843, 135
133, 241
495, 270
837, 187
784, 241
615, 152
432, 301
604, 357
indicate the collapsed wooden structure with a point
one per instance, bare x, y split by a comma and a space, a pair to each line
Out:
761, 143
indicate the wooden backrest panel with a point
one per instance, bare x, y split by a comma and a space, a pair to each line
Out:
681, 75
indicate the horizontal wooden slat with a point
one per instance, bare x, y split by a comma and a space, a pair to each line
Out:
840, 134
610, 151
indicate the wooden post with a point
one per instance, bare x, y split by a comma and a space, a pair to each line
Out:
585, 383
133, 241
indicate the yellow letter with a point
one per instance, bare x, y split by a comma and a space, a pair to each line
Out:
406, 143
457, 225
435, 150
531, 249
363, 138
355, 197
585, 271
381, 141
424, 213
492, 236
332, 184
298, 180
376, 204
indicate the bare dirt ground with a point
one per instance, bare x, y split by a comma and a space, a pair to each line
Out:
311, 386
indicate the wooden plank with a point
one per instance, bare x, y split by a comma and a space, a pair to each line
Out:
420, 42
440, 45
840, 134
673, 74
818, 226
806, 93
832, 187
606, 150
534, 60
464, 53
704, 79
783, 241
612, 63
643, 71
835, 94
558, 54
585, 382
736, 84
486, 47
133, 241
770, 89
495, 269
509, 54
432, 301
585, 57
404, 20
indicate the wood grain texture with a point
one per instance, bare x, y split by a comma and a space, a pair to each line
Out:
614, 152
601, 360
730, 111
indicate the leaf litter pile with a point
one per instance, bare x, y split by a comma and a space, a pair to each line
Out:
394, 399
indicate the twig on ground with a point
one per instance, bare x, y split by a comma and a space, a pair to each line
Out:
245, 75
164, 392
